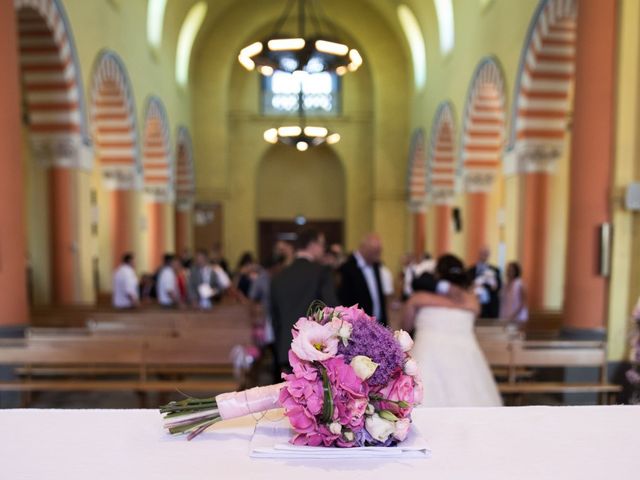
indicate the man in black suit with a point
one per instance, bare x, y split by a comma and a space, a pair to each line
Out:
360, 279
487, 283
296, 287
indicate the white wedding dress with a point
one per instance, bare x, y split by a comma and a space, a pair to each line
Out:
454, 370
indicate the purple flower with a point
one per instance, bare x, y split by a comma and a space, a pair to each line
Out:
373, 340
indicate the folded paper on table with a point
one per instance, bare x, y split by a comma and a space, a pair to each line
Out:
271, 440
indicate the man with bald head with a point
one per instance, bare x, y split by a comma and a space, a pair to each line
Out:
360, 280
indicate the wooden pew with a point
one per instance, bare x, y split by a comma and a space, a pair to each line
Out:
140, 364
550, 353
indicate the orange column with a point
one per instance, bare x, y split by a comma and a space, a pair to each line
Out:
477, 222
121, 213
443, 229
534, 236
182, 227
419, 233
591, 163
63, 238
157, 242
13, 292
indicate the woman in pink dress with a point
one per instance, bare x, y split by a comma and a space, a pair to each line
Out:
513, 301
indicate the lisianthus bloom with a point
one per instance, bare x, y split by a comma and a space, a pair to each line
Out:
379, 428
404, 339
401, 395
314, 342
401, 429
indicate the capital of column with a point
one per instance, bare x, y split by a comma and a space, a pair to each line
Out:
121, 178
62, 151
158, 194
535, 157
476, 181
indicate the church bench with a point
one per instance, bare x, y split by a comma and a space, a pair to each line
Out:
534, 354
90, 364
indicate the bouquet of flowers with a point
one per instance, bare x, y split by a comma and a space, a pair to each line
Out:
353, 384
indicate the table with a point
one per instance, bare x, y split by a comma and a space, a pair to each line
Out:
467, 443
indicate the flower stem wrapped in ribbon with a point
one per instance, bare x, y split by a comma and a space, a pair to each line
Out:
353, 383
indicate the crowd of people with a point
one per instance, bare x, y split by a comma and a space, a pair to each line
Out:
442, 298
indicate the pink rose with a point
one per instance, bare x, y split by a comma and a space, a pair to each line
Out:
400, 389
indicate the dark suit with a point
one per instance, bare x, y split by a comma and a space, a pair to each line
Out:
491, 309
196, 279
292, 291
353, 288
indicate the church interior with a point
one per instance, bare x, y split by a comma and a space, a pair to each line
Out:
446, 126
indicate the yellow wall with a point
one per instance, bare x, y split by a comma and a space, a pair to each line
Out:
290, 183
118, 26
374, 127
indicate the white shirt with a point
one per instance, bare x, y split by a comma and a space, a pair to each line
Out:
223, 279
370, 278
167, 283
386, 279
125, 286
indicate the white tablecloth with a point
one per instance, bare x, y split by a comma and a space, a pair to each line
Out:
467, 443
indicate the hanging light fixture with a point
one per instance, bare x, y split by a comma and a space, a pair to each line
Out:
312, 53
301, 137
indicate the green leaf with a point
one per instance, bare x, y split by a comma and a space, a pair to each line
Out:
327, 404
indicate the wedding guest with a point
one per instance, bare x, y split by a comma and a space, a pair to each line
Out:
203, 282
513, 298
186, 258
285, 250
360, 279
487, 284
296, 287
125, 284
167, 288
146, 289
217, 258
245, 273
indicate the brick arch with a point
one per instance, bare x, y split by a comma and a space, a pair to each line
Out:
442, 156
113, 118
156, 153
53, 93
185, 171
417, 172
544, 84
483, 126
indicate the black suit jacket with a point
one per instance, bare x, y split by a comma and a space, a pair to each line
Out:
292, 291
353, 288
491, 309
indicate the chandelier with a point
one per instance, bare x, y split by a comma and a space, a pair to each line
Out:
317, 52
301, 136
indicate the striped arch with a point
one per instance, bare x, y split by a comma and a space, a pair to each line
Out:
156, 152
185, 175
483, 135
114, 123
417, 173
543, 89
52, 85
442, 153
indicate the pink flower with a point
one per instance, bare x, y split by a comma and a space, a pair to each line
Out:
314, 342
418, 390
400, 389
401, 429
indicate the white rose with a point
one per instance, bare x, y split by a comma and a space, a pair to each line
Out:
404, 339
348, 436
363, 366
401, 429
335, 428
379, 428
370, 409
411, 367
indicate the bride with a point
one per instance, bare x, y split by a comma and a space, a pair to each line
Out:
453, 368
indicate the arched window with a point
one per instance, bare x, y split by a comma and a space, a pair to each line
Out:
444, 11
413, 33
188, 32
319, 93
155, 21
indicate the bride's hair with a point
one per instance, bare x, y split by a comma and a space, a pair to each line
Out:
452, 269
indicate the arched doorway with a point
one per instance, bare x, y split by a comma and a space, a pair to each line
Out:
116, 137
157, 180
185, 190
296, 189
54, 114
483, 139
